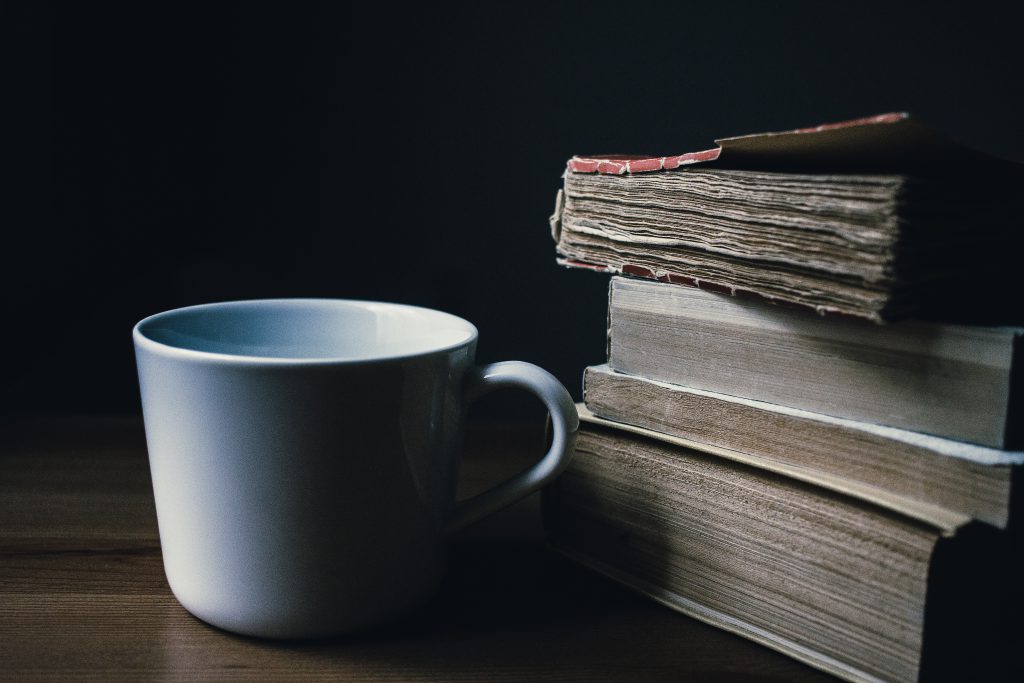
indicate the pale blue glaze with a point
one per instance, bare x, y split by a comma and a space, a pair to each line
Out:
304, 456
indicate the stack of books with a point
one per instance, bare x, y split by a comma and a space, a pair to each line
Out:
791, 439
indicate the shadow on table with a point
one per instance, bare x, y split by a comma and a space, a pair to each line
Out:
512, 610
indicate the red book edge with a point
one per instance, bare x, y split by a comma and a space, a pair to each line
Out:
893, 141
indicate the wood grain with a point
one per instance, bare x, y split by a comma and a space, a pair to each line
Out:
83, 595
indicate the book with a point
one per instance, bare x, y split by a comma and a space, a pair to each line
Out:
879, 218
839, 583
956, 381
804, 432
940, 481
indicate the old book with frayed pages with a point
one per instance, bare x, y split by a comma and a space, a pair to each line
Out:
879, 218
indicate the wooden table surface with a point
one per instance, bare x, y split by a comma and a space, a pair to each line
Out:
83, 594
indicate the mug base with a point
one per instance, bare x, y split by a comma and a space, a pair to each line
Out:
320, 623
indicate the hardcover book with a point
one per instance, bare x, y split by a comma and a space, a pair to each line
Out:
857, 590
880, 218
955, 381
940, 481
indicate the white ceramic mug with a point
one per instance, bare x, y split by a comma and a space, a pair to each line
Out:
304, 455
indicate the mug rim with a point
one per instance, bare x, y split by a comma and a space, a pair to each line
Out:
142, 341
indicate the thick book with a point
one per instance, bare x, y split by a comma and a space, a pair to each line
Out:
944, 482
956, 381
846, 586
880, 218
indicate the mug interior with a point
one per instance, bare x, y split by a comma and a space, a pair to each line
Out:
306, 329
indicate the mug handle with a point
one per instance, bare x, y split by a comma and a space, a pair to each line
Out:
565, 421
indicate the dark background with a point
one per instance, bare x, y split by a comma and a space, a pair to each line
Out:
162, 154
